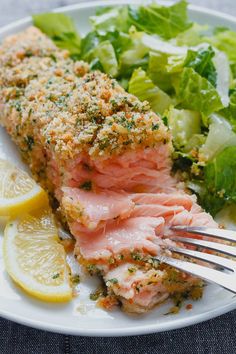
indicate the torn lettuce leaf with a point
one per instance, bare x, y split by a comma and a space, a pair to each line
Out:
195, 143
104, 49
135, 55
224, 40
220, 180
110, 19
61, 29
192, 36
183, 125
220, 135
165, 21
223, 74
230, 112
212, 203
142, 86
162, 67
107, 57
165, 60
201, 62
197, 93
157, 70
88, 44
214, 66
156, 44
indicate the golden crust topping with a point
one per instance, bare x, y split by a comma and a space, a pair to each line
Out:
65, 108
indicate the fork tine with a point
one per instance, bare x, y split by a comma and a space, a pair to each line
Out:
209, 274
215, 246
228, 235
210, 258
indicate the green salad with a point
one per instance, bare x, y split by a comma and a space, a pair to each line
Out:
185, 70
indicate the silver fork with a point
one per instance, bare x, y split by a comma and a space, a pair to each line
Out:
226, 280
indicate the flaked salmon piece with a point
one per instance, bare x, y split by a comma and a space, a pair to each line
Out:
194, 217
121, 238
125, 237
156, 210
93, 209
175, 198
143, 170
143, 288
189, 218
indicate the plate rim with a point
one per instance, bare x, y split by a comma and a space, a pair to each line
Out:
131, 330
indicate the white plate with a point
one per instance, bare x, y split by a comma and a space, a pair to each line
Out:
81, 316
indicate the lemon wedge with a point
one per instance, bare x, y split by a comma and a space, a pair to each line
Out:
19, 193
35, 259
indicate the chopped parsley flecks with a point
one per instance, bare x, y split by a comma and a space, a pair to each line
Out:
86, 186
75, 279
92, 269
136, 256
112, 281
132, 270
17, 106
55, 276
165, 121
29, 142
98, 293
155, 126
53, 57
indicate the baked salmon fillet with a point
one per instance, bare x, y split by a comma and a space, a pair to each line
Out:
105, 158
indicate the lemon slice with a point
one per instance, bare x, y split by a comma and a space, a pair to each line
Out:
18, 191
35, 259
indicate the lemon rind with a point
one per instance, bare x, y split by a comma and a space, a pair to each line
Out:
35, 199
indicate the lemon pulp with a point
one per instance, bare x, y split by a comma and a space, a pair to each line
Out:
35, 259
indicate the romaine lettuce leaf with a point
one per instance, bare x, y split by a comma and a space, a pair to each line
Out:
135, 55
223, 74
214, 66
220, 180
183, 125
230, 112
220, 136
165, 60
119, 40
224, 40
141, 86
197, 93
212, 203
156, 44
194, 143
201, 62
165, 21
61, 29
217, 188
107, 57
161, 67
192, 36
88, 44
111, 19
